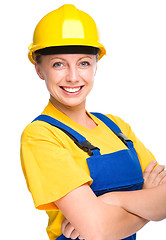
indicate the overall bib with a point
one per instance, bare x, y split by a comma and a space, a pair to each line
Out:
118, 171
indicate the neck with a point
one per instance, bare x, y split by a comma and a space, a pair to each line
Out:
76, 113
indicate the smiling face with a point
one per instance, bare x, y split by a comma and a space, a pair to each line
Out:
69, 78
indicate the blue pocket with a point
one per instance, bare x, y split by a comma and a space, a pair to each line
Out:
115, 171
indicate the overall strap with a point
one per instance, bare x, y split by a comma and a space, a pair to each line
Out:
78, 139
114, 128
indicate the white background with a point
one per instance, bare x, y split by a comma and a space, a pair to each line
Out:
130, 83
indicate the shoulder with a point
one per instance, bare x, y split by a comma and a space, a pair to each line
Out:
41, 131
125, 127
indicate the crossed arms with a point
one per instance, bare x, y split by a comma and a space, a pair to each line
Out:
117, 215
149, 203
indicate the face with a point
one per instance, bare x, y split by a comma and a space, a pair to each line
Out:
69, 78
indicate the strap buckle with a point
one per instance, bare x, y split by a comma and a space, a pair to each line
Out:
123, 138
86, 146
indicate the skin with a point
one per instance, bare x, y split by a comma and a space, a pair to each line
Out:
69, 70
146, 203
87, 216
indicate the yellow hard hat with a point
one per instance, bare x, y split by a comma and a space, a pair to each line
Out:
65, 26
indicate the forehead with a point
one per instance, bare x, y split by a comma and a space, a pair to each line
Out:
69, 57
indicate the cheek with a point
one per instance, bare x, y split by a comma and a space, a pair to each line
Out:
52, 79
51, 85
91, 79
89, 76
91, 83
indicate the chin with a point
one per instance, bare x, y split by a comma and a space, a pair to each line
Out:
74, 104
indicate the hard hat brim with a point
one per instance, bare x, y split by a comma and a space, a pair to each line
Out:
68, 50
33, 48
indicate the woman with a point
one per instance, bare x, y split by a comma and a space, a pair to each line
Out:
74, 161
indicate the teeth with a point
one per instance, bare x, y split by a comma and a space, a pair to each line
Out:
72, 90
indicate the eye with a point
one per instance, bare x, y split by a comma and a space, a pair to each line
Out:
58, 65
84, 63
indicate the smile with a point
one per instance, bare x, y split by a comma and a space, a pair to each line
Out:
72, 89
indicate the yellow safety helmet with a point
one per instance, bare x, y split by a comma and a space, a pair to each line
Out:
65, 26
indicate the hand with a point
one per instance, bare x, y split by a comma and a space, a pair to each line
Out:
154, 175
69, 231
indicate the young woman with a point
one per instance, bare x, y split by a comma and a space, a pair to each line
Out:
74, 161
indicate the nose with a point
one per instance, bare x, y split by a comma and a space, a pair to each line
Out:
72, 74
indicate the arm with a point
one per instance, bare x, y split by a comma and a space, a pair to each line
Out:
153, 176
94, 219
149, 203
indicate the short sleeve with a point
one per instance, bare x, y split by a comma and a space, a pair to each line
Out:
144, 155
49, 169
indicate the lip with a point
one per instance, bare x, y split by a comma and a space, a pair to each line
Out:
71, 93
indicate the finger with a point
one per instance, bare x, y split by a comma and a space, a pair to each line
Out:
63, 225
163, 180
81, 237
68, 230
155, 175
149, 169
74, 234
159, 178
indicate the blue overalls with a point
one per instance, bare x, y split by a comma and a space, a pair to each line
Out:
118, 171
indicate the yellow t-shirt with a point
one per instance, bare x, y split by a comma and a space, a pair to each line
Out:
53, 165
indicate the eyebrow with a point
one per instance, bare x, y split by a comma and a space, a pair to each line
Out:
86, 57
56, 57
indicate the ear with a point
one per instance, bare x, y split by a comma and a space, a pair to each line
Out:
38, 71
